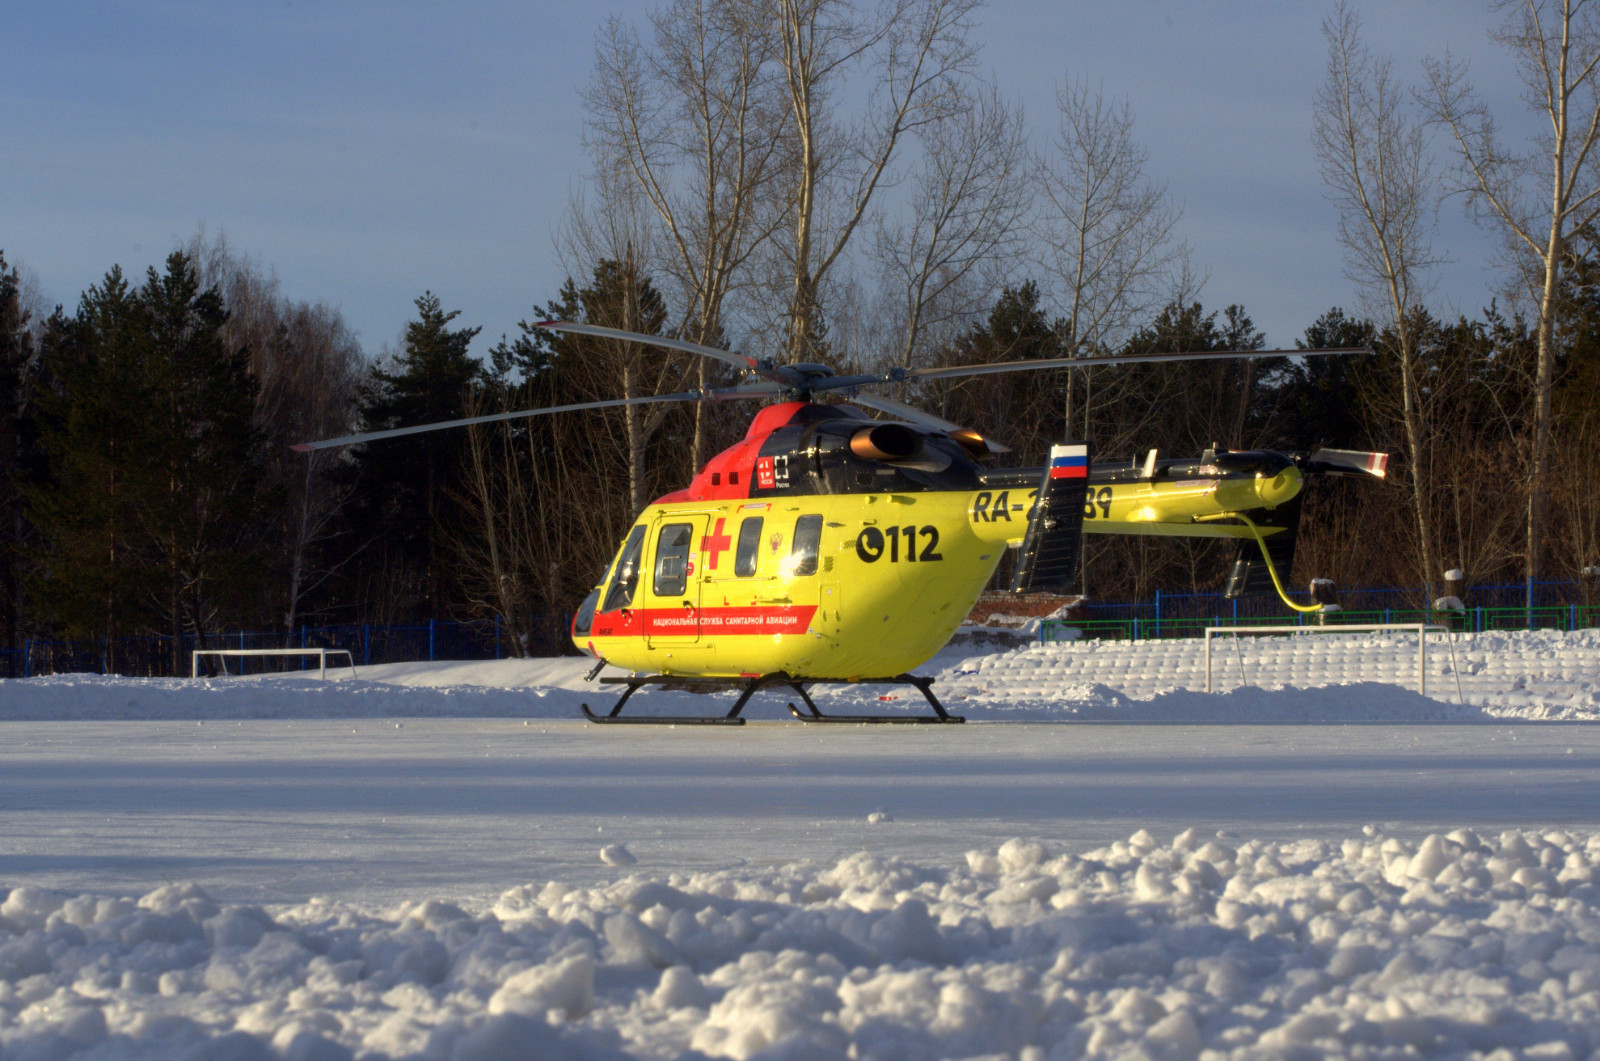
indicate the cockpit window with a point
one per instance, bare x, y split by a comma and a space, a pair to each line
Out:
625, 576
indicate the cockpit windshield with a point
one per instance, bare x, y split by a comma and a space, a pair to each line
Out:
625, 575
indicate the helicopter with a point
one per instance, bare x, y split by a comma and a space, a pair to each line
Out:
829, 547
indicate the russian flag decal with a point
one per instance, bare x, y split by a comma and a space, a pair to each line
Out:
1070, 461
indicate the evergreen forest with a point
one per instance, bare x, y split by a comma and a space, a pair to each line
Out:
816, 183
150, 487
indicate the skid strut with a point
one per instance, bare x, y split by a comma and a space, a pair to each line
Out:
748, 687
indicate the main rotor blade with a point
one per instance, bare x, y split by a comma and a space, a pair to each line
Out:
904, 411
1119, 359
834, 383
599, 332
759, 390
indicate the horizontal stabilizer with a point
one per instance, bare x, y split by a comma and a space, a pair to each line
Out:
1347, 462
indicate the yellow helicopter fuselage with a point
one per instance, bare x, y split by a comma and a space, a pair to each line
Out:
853, 585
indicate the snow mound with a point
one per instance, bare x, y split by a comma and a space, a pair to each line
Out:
617, 855
1454, 945
1336, 704
91, 696
1539, 675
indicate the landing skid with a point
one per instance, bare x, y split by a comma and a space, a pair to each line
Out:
748, 687
923, 685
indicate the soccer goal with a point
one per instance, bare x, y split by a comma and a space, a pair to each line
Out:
1422, 630
322, 655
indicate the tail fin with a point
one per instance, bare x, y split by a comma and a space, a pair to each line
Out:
1249, 575
1050, 550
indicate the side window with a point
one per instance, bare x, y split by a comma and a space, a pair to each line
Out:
625, 577
807, 543
744, 561
672, 559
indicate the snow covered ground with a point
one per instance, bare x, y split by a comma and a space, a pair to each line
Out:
436, 861
1529, 675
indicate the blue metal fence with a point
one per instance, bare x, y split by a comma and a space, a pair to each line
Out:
1561, 605
156, 656
1558, 605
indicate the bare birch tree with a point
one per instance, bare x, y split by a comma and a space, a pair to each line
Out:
1378, 172
1538, 199
695, 119
969, 200
544, 522
919, 55
319, 367
615, 241
1107, 233
308, 368
493, 489
1577, 533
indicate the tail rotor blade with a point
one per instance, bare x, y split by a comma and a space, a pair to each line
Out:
1348, 462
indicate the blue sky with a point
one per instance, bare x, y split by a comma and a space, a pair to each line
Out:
368, 151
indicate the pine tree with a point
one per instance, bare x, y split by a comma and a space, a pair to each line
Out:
16, 369
1184, 407
619, 296
1321, 404
198, 513
152, 464
1021, 409
406, 507
95, 430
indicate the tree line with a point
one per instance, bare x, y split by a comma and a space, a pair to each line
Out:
816, 181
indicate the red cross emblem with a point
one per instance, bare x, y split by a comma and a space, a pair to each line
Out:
715, 543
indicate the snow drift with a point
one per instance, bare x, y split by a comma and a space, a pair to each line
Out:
1146, 948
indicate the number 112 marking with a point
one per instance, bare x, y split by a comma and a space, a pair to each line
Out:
870, 544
